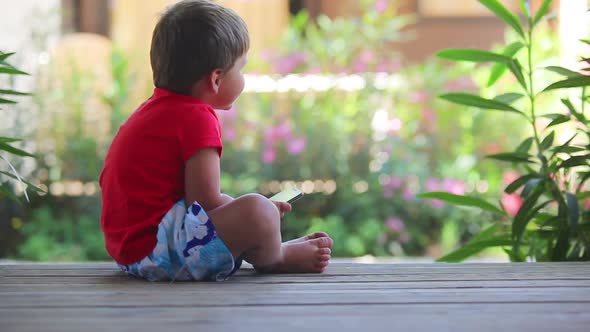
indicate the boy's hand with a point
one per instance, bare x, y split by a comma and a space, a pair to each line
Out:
283, 207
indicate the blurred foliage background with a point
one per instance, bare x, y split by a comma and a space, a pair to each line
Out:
362, 139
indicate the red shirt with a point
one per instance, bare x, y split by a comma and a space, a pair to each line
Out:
143, 173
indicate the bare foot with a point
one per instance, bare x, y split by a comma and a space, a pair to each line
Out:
310, 236
309, 256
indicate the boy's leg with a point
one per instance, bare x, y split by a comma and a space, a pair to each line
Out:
250, 226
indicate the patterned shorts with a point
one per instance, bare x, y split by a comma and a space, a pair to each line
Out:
188, 248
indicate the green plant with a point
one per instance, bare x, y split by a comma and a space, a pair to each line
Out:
323, 44
62, 236
550, 224
6, 143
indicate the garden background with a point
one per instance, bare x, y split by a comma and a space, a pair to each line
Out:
341, 100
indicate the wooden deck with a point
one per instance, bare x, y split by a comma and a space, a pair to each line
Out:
348, 297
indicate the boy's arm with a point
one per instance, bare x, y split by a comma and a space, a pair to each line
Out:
202, 177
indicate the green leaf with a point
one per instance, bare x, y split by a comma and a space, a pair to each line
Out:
29, 185
542, 11
500, 68
544, 219
517, 157
7, 101
508, 98
10, 149
524, 8
504, 14
548, 141
566, 149
5, 56
525, 213
477, 101
516, 69
563, 71
586, 41
556, 119
584, 176
462, 200
473, 248
12, 92
512, 187
573, 209
525, 146
13, 71
562, 245
472, 55
6, 191
572, 82
529, 186
583, 195
575, 161
9, 139
573, 110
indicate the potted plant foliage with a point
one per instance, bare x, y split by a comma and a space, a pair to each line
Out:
552, 223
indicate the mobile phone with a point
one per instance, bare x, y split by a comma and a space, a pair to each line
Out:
288, 195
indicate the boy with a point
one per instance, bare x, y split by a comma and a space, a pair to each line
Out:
163, 215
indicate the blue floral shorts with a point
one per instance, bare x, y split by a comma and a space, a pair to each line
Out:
188, 248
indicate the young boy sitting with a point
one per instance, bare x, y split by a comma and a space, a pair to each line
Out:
163, 215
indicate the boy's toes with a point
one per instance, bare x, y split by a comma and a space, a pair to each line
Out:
317, 235
322, 265
324, 251
324, 258
323, 242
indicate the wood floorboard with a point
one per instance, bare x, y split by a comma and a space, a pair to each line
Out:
348, 297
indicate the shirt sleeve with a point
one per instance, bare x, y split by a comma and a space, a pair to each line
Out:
199, 129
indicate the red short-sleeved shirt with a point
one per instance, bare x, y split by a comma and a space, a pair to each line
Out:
143, 173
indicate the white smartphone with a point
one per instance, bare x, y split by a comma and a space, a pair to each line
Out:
288, 195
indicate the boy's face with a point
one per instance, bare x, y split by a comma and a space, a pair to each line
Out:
231, 85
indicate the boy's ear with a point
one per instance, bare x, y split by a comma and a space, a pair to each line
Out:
215, 80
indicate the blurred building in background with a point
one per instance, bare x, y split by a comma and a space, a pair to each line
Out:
439, 24
129, 23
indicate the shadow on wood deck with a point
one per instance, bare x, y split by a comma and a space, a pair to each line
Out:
347, 297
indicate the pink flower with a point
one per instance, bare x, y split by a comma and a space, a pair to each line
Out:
437, 203
388, 66
429, 115
269, 155
395, 224
380, 6
408, 194
231, 113
315, 69
454, 186
229, 133
289, 63
432, 185
395, 124
419, 96
510, 176
394, 182
296, 145
511, 203
283, 130
361, 63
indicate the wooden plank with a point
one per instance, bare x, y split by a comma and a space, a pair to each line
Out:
219, 295
130, 285
380, 297
339, 272
422, 317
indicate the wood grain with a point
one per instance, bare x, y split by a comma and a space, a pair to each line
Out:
347, 297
